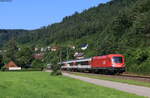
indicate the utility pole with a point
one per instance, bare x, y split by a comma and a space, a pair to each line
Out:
60, 56
67, 53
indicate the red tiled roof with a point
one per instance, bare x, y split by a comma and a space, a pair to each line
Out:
11, 64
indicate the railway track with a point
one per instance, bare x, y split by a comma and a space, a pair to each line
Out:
122, 76
135, 76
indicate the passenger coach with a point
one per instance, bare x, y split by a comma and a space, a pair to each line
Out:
112, 63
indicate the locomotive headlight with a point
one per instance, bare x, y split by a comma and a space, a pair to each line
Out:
113, 65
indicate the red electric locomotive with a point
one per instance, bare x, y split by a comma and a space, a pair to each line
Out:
112, 63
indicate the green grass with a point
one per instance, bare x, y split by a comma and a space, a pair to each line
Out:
128, 81
42, 85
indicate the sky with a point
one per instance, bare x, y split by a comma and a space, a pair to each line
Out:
33, 14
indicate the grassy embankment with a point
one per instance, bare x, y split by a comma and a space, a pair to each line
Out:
42, 85
128, 81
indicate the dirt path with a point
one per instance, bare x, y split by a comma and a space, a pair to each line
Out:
138, 90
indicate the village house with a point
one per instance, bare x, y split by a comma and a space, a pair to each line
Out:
12, 66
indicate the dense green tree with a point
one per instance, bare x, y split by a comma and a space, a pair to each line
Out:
1, 61
24, 57
38, 64
10, 51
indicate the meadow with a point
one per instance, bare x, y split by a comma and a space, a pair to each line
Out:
43, 85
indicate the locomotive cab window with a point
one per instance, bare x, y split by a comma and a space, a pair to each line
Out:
117, 59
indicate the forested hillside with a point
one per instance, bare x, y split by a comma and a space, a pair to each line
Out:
6, 35
119, 26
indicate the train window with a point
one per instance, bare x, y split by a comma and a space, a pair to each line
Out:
117, 59
71, 64
83, 63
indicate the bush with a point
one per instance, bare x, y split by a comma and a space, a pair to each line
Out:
31, 69
56, 70
138, 61
56, 73
37, 64
4, 68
